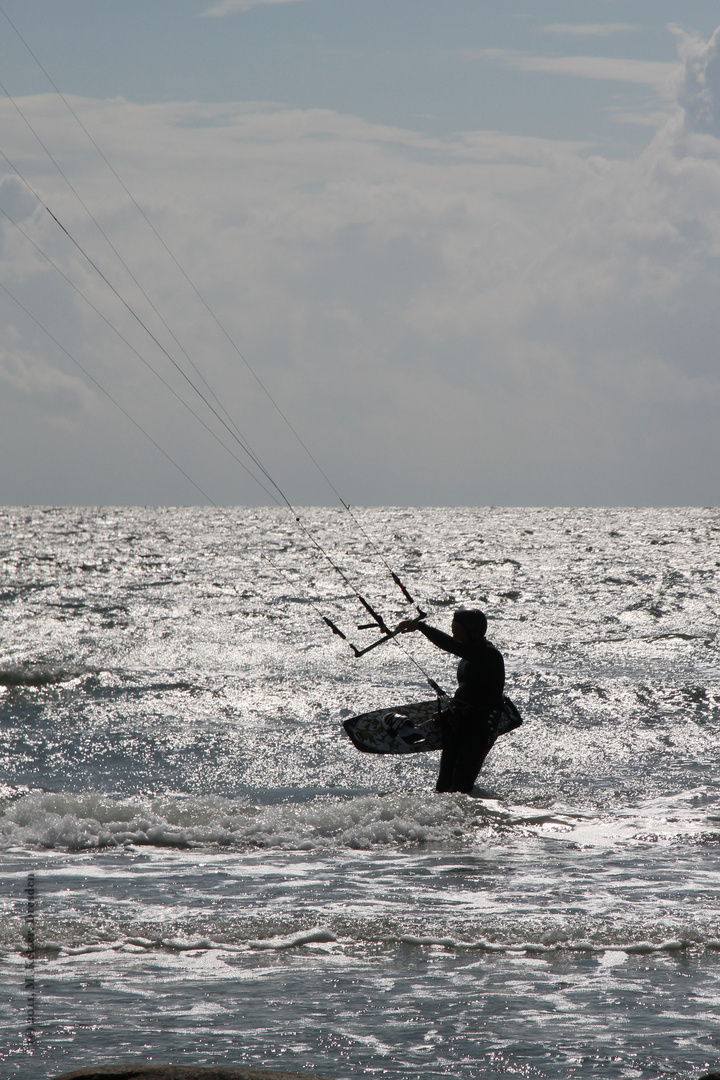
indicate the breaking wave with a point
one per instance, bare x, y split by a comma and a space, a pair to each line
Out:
41, 673
327, 823
45, 820
598, 938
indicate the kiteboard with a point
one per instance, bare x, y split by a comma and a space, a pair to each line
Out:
414, 728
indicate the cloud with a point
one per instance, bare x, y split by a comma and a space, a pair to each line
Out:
648, 118
480, 319
229, 7
588, 29
699, 91
653, 73
52, 393
15, 198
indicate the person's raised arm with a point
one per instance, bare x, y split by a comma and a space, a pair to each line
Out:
438, 637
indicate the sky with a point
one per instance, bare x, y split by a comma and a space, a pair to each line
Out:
462, 252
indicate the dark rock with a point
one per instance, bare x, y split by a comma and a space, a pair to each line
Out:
138, 1071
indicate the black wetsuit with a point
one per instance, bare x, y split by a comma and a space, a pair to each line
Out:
468, 730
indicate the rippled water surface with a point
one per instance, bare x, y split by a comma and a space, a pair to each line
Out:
198, 867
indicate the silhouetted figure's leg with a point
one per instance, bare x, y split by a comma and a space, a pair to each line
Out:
467, 740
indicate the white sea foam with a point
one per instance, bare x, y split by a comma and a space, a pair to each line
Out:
80, 823
61, 822
318, 935
238, 941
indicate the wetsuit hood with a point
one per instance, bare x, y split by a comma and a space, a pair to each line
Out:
473, 621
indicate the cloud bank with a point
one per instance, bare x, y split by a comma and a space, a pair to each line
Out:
229, 7
612, 69
588, 29
476, 320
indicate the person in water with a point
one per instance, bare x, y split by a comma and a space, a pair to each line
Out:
468, 725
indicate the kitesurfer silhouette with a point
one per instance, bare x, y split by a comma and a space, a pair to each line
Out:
469, 724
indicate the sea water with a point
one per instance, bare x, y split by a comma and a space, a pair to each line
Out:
199, 868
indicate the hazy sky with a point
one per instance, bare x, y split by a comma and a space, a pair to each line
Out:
471, 248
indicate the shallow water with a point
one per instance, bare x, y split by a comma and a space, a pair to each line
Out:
219, 877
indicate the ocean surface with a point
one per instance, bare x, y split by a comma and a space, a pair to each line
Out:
198, 867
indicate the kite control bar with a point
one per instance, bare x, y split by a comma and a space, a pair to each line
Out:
389, 636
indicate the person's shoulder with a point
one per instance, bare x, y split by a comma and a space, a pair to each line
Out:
492, 648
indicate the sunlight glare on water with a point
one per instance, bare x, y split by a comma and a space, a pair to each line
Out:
220, 876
